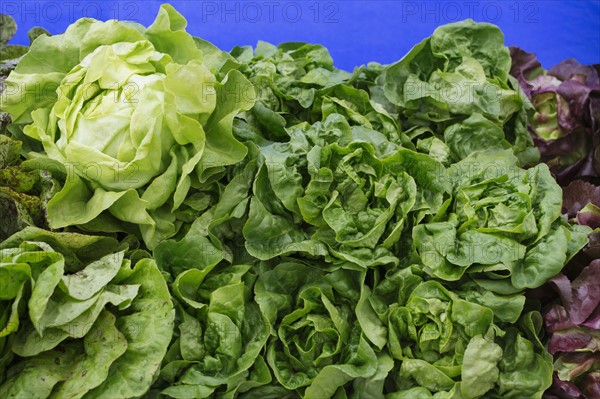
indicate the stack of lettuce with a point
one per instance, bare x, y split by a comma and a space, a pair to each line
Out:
305, 232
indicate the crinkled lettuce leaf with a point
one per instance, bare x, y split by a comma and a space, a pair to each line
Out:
78, 318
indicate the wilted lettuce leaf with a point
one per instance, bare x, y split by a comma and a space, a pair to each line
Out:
24, 191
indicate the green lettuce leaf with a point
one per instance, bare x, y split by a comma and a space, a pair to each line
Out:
62, 331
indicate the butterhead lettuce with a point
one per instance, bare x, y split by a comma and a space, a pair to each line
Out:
502, 226
78, 318
219, 347
340, 190
456, 81
135, 116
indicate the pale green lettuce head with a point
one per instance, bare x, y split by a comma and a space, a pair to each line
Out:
140, 118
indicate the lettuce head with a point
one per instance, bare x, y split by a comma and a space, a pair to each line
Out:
138, 117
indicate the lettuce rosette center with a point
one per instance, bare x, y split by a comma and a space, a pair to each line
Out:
455, 344
219, 347
318, 345
124, 118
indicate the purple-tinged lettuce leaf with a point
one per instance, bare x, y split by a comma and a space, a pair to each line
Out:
574, 339
570, 380
591, 385
589, 216
565, 125
586, 293
581, 201
557, 318
593, 248
571, 69
580, 299
563, 390
570, 366
593, 321
577, 195
525, 67
573, 327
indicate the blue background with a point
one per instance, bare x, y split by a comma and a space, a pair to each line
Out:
355, 32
